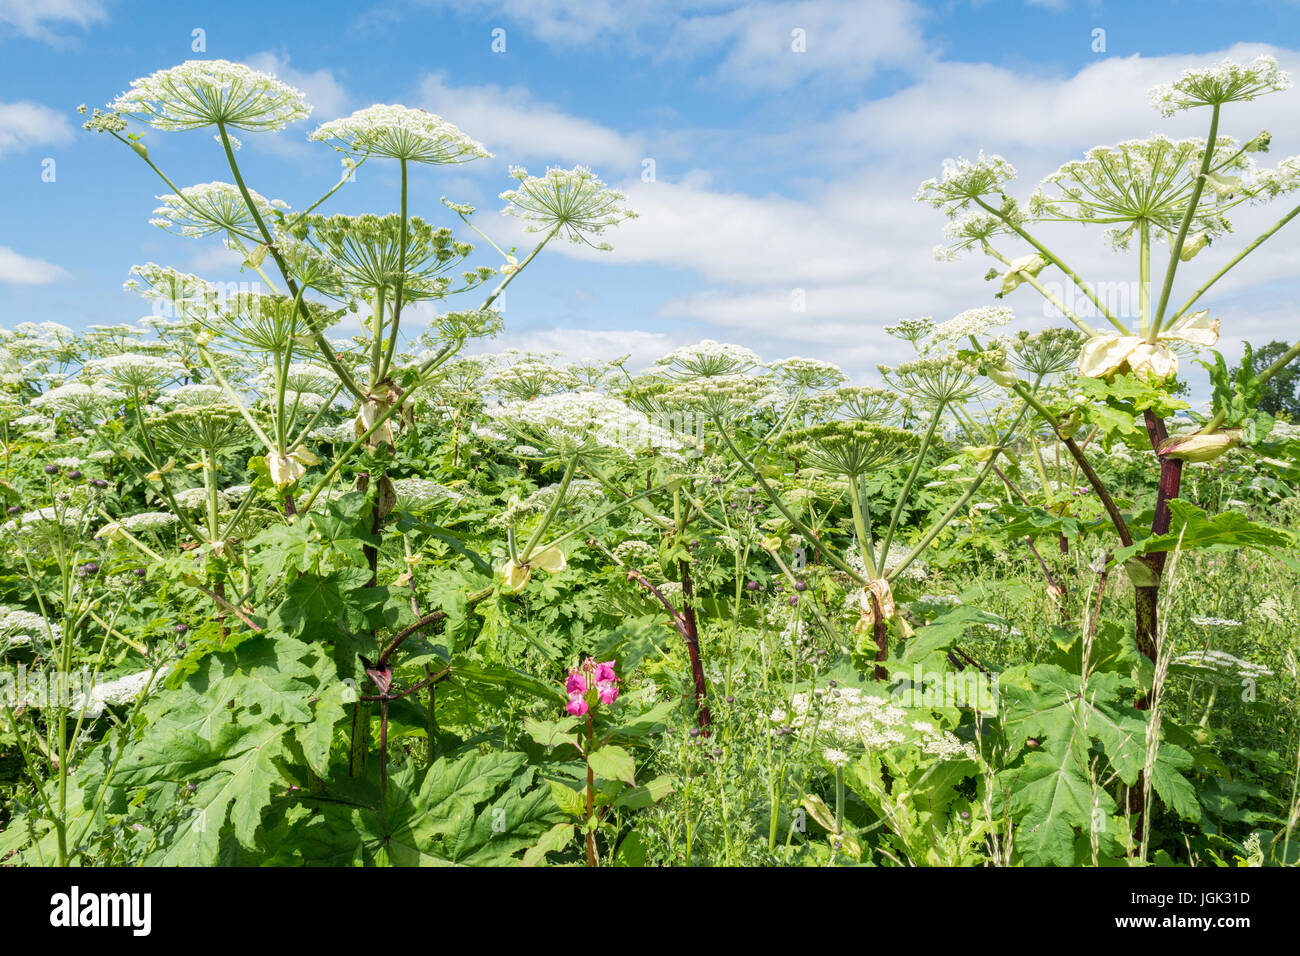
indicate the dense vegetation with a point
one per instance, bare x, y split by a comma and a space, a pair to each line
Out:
273, 595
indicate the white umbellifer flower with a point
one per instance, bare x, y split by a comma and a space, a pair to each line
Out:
709, 358
416, 494
964, 181
42, 518
585, 422
1282, 179
202, 93
210, 208
834, 757
528, 377
32, 421
193, 498
1224, 663
119, 692
194, 396
1215, 622
1228, 82
849, 719
572, 201
808, 373
133, 370
968, 323
79, 398
68, 462
19, 626
148, 521
397, 132
1105, 355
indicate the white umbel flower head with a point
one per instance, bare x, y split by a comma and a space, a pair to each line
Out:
964, 181
573, 201
201, 93
708, 358
1228, 82
133, 370
398, 132
210, 208
585, 422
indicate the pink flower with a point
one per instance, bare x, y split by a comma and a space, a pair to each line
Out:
576, 684
577, 706
605, 672
608, 691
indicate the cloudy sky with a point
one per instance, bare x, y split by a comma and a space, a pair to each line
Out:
772, 149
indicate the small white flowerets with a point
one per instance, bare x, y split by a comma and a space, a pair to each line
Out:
588, 422
1228, 82
963, 181
418, 493
1223, 663
133, 370
79, 398
202, 93
849, 719
209, 208
968, 323
573, 201
18, 626
709, 358
398, 132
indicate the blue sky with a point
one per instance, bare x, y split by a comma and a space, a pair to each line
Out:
779, 175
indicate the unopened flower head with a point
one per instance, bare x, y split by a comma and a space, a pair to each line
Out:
852, 448
1228, 82
398, 132
574, 202
202, 93
935, 381
1043, 353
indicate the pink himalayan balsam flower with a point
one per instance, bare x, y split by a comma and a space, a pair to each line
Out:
576, 706
605, 672
608, 692
576, 684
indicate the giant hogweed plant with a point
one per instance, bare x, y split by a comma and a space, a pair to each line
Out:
302, 615
1149, 194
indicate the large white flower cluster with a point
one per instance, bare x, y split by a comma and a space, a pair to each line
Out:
585, 423
1228, 82
398, 132
201, 93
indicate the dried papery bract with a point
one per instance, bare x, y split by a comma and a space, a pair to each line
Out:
398, 132
569, 202
201, 93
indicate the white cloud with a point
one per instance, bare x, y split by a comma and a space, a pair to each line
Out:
25, 125
587, 345
32, 19
777, 45
324, 92
512, 124
18, 269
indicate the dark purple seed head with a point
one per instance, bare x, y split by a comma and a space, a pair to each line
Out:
752, 585
99, 482
138, 572
695, 731
51, 469
88, 569
717, 481
730, 699
75, 475
13, 510
801, 585
695, 542
717, 752
181, 628
793, 600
